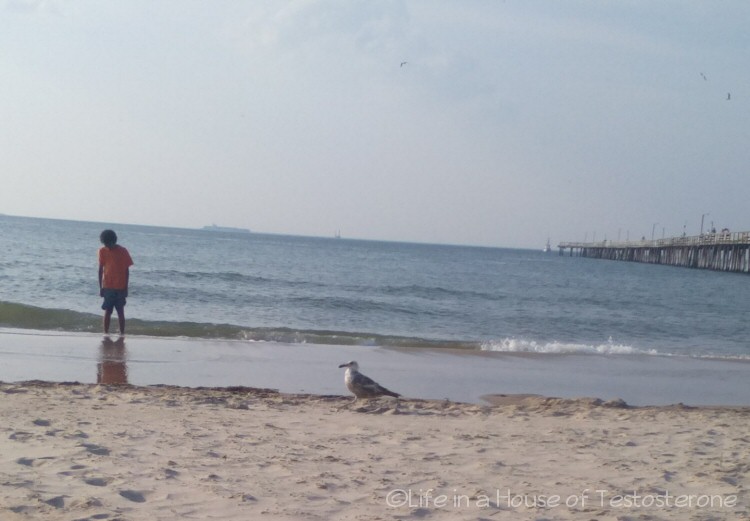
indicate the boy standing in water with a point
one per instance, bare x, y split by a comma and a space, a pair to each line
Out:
114, 275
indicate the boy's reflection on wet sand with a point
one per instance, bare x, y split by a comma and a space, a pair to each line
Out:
112, 368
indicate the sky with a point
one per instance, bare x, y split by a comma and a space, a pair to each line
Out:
479, 122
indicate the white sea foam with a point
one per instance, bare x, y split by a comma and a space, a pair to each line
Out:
515, 345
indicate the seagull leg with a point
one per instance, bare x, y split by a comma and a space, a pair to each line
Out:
347, 405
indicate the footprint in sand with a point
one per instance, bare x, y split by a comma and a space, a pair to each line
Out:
97, 482
77, 434
57, 502
133, 495
96, 449
73, 470
33, 462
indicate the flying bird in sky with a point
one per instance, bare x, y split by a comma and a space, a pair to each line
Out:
403, 63
704, 77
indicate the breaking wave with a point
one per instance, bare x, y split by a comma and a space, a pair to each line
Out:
22, 316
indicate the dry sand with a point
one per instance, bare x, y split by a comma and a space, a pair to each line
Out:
95, 452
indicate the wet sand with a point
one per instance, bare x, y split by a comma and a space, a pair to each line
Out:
417, 373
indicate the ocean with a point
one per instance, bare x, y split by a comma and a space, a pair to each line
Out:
226, 308
336, 291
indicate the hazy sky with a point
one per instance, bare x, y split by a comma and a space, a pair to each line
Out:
511, 122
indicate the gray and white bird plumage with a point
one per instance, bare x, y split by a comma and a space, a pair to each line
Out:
362, 386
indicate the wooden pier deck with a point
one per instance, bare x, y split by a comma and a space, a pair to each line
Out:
712, 251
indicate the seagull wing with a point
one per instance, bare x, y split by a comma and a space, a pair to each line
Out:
368, 387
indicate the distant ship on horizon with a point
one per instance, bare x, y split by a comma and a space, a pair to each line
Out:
215, 228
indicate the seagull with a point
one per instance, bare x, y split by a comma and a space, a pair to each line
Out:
403, 63
729, 96
704, 77
362, 386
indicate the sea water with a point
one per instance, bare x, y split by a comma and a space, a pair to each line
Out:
253, 287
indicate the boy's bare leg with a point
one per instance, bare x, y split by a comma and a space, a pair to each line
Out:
107, 318
121, 318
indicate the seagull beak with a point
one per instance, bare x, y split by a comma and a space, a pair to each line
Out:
343, 365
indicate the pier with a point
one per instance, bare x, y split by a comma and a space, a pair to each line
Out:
723, 251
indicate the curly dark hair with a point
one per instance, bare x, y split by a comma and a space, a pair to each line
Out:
108, 238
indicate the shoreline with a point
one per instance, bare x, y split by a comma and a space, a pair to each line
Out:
490, 402
91, 451
455, 375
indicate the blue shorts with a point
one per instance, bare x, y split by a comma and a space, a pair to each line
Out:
113, 298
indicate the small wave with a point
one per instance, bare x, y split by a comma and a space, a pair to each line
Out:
231, 277
31, 317
513, 345
352, 304
22, 316
438, 293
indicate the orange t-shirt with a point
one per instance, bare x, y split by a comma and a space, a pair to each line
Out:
115, 263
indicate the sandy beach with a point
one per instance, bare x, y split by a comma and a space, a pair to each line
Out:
122, 452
